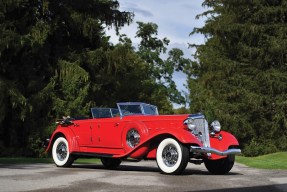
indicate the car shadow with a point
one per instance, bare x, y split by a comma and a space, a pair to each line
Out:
120, 168
139, 168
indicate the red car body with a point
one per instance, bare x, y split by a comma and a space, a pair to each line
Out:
116, 137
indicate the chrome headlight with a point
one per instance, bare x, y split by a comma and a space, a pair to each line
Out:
189, 123
215, 125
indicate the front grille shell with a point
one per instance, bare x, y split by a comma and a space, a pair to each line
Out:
201, 130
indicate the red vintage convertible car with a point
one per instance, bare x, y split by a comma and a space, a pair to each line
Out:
135, 131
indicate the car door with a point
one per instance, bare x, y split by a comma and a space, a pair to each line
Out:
109, 133
83, 132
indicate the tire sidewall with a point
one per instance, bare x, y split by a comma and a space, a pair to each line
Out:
58, 162
159, 159
220, 166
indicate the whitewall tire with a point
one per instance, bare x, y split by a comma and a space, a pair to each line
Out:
171, 156
60, 153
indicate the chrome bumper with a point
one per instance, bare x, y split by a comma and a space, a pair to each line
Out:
214, 151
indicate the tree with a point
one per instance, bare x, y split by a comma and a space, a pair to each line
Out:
43, 48
139, 74
56, 60
240, 72
161, 71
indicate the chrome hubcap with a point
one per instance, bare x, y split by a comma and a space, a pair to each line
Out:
61, 151
133, 138
170, 155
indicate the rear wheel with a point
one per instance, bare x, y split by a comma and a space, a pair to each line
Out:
220, 166
60, 153
171, 156
110, 163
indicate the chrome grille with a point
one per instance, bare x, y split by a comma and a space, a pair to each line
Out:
201, 131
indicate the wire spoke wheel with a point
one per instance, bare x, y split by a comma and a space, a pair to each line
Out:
170, 155
60, 153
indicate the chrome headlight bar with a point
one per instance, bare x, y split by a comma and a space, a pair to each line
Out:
189, 122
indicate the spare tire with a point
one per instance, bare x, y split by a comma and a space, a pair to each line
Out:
134, 134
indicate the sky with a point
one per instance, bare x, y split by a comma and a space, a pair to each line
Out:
175, 20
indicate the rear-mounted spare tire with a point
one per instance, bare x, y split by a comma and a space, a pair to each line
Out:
135, 134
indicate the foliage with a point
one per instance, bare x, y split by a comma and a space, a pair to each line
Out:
239, 75
270, 161
181, 110
56, 60
42, 67
35, 146
150, 50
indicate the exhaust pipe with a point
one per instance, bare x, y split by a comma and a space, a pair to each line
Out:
215, 151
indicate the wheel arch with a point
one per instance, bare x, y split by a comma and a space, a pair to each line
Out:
182, 136
156, 140
68, 135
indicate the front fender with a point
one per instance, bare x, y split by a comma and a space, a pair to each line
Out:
68, 134
223, 144
181, 135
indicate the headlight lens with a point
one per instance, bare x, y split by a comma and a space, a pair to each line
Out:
189, 124
215, 125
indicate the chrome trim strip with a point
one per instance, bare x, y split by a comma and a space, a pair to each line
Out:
215, 151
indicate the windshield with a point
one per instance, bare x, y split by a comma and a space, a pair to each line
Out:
135, 108
104, 112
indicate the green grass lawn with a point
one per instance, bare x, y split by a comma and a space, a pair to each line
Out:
270, 161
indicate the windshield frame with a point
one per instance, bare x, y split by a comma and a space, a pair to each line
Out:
136, 108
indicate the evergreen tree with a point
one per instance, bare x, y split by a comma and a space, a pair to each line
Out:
56, 60
240, 73
43, 45
161, 71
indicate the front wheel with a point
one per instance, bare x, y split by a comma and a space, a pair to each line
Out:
60, 153
171, 156
220, 166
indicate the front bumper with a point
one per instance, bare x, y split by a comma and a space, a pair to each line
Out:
214, 151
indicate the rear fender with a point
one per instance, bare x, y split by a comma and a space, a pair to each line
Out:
68, 134
227, 141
